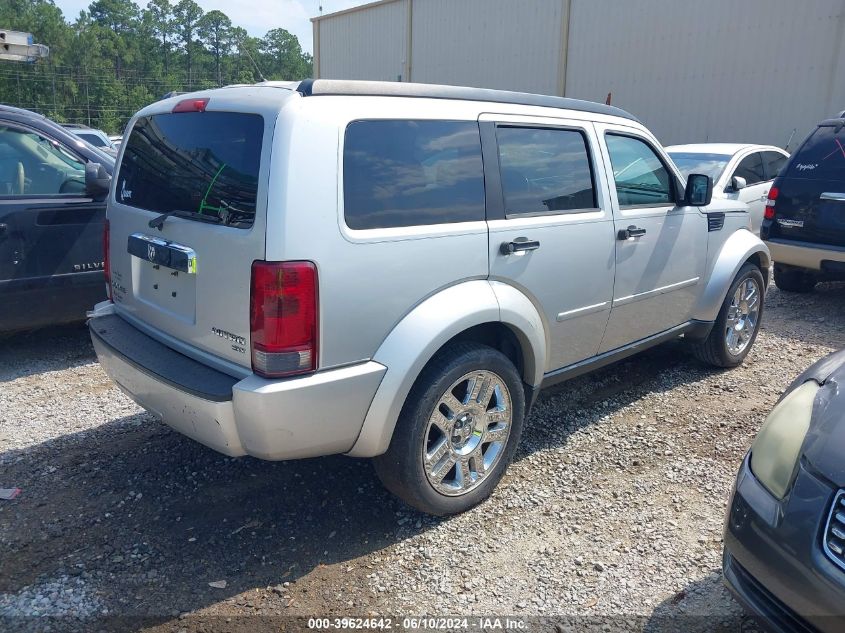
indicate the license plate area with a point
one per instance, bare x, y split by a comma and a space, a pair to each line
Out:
169, 287
161, 252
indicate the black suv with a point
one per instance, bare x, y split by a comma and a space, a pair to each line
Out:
804, 222
52, 208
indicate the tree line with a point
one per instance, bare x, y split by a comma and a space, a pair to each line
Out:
117, 57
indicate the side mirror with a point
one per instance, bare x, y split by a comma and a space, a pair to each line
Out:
737, 183
97, 180
699, 191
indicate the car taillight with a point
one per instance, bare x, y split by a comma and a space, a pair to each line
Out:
769, 213
283, 318
190, 105
107, 258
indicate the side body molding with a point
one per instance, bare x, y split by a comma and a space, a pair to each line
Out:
423, 331
734, 252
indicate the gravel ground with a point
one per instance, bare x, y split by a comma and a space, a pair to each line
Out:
611, 514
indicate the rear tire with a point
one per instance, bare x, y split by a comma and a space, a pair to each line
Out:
457, 431
791, 279
738, 322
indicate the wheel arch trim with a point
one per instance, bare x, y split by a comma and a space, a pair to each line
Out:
426, 329
738, 249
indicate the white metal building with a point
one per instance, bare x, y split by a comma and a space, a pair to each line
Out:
693, 71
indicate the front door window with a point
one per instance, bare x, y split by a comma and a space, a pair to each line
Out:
32, 165
640, 176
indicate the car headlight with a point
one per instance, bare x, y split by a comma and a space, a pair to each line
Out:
777, 447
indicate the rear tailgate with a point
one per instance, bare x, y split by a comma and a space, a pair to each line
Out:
811, 193
187, 277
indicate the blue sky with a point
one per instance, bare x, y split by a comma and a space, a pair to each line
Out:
256, 16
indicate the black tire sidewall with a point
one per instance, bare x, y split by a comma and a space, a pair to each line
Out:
401, 467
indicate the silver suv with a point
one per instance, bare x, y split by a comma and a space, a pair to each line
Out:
395, 270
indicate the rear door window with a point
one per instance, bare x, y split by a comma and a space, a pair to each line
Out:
821, 156
202, 165
751, 168
399, 173
545, 170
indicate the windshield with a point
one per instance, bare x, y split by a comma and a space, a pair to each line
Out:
200, 164
821, 156
700, 163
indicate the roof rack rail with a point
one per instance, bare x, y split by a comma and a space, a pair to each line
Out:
318, 87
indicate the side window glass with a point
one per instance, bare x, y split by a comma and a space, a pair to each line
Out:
545, 170
32, 165
410, 173
751, 168
773, 161
640, 176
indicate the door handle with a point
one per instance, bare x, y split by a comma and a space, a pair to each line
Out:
836, 197
520, 244
631, 231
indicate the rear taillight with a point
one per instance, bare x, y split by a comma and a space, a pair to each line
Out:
283, 318
107, 258
769, 213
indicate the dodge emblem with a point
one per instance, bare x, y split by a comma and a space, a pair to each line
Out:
151, 252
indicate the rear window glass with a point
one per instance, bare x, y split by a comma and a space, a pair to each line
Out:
202, 165
409, 173
821, 156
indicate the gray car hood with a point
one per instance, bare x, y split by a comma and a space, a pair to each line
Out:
824, 446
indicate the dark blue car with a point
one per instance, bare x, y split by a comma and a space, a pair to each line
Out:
785, 532
52, 209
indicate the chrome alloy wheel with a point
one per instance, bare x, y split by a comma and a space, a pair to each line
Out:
467, 432
743, 314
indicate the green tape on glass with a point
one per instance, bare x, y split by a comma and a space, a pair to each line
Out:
203, 205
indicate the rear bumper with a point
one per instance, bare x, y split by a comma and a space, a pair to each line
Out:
39, 301
805, 254
319, 414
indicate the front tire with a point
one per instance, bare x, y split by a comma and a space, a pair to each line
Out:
457, 431
738, 322
791, 279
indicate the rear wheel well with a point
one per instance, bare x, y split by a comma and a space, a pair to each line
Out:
502, 338
498, 336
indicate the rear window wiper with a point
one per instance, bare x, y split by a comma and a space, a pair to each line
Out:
158, 222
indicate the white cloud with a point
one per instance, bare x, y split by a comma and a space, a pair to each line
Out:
256, 16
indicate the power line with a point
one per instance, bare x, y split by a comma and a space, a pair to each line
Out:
10, 73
